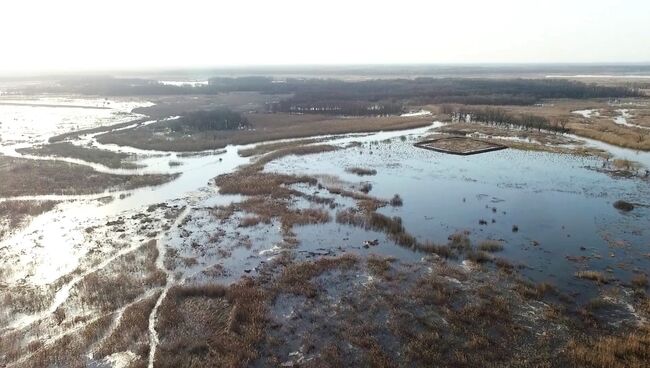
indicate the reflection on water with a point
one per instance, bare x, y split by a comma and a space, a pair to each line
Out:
61, 231
562, 207
34, 120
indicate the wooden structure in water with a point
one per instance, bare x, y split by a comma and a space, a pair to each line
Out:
463, 146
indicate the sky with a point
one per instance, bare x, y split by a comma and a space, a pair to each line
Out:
70, 35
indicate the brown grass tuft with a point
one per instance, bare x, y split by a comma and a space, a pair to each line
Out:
296, 278
490, 246
631, 350
361, 171
593, 276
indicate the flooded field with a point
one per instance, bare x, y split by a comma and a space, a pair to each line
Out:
304, 230
560, 204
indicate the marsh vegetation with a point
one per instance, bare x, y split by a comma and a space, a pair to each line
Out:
329, 251
23, 177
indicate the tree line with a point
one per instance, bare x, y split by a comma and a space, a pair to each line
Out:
367, 97
501, 117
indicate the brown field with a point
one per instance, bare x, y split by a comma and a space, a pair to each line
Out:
264, 127
21, 177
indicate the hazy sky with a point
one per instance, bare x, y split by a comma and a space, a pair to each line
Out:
117, 34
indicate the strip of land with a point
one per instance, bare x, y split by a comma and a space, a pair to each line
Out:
263, 127
21, 177
114, 160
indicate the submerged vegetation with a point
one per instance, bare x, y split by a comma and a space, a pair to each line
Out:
201, 281
361, 171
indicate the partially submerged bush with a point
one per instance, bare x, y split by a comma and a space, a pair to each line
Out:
639, 281
478, 256
396, 201
490, 246
365, 187
441, 250
249, 221
372, 220
623, 206
361, 171
592, 275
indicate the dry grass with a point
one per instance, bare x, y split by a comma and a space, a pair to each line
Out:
460, 241
442, 250
253, 183
375, 221
33, 177
122, 281
593, 276
14, 214
211, 325
24, 299
380, 266
261, 149
504, 265
249, 221
297, 151
639, 281
631, 350
478, 256
267, 208
616, 135
490, 246
110, 159
600, 128
132, 332
531, 290
296, 277
70, 349
363, 199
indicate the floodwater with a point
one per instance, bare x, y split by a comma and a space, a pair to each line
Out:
587, 113
622, 119
561, 205
559, 202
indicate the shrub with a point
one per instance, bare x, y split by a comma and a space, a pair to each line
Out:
396, 201
491, 246
361, 171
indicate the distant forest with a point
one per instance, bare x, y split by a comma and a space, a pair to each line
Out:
369, 97
199, 121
